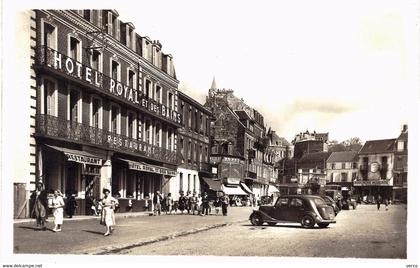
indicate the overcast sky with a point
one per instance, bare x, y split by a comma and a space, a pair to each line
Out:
348, 67
341, 67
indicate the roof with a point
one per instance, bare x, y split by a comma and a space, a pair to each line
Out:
346, 156
213, 84
378, 146
196, 104
314, 157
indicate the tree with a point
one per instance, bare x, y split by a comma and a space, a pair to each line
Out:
353, 144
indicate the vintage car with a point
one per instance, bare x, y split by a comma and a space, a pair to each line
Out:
307, 210
329, 201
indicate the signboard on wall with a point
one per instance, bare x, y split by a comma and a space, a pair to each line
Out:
150, 168
372, 183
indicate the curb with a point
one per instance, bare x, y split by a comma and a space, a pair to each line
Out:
119, 250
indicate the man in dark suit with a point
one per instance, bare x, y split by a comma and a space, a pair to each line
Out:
157, 200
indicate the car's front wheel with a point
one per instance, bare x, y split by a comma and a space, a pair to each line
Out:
323, 225
307, 221
256, 219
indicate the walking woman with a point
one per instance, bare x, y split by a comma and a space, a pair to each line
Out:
58, 207
107, 216
40, 204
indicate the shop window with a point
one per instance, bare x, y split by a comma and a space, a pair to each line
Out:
96, 60
75, 106
74, 51
49, 97
132, 79
115, 118
96, 112
115, 70
49, 36
131, 125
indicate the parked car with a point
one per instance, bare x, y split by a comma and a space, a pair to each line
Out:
307, 210
331, 203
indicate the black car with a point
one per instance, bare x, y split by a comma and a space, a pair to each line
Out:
308, 210
331, 203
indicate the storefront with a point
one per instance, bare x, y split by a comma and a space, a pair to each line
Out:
134, 183
73, 171
368, 190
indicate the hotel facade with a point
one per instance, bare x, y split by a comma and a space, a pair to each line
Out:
104, 110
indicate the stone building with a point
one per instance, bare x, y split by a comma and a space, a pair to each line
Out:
306, 142
239, 142
104, 109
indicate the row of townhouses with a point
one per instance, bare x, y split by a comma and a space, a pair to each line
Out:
379, 167
105, 112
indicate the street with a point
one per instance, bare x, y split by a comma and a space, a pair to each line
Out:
361, 233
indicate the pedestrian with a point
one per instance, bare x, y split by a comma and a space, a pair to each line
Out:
199, 204
254, 200
205, 200
57, 206
71, 205
188, 203
157, 203
108, 216
169, 201
378, 201
225, 203
182, 202
217, 205
193, 202
40, 204
386, 203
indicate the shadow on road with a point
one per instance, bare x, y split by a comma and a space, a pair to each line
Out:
280, 226
93, 232
35, 228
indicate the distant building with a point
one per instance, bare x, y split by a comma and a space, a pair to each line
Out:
312, 168
239, 146
306, 143
342, 167
376, 164
401, 167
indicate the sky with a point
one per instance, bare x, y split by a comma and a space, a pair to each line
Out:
343, 67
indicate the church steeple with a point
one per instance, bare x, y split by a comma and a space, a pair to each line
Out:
213, 84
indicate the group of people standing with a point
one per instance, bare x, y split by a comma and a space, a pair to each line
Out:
191, 203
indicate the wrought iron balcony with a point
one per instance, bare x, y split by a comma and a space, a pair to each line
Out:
54, 127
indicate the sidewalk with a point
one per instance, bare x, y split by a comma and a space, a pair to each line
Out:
84, 235
87, 217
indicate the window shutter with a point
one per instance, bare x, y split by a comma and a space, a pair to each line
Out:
117, 34
99, 18
109, 23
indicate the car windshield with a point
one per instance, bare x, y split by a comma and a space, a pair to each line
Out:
319, 201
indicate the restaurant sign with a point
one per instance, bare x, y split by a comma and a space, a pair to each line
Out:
372, 183
86, 74
83, 159
152, 169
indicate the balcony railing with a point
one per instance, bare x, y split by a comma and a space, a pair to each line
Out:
87, 75
51, 126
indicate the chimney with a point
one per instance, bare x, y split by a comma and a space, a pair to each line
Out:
405, 128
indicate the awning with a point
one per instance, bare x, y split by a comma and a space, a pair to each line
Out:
233, 190
272, 189
140, 166
213, 185
245, 188
78, 156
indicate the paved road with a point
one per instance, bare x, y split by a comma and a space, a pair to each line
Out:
86, 236
361, 233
